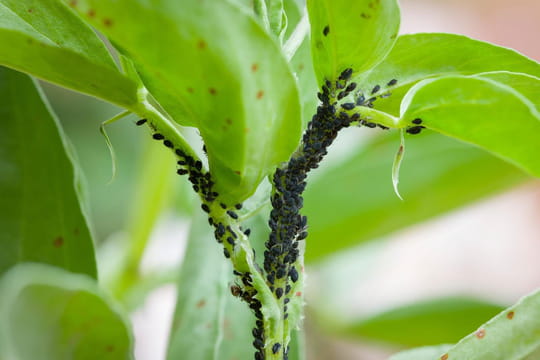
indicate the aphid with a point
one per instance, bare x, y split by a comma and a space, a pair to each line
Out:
326, 30
204, 148
348, 106
226, 253
211, 221
293, 274
220, 230
168, 143
181, 172
285, 317
270, 278
205, 208
223, 206
413, 130
236, 290
280, 273
417, 121
276, 348
346, 74
198, 165
232, 214
392, 82
140, 122
375, 89
181, 162
238, 206
230, 240
158, 136
350, 87
302, 235
180, 153
288, 289
279, 293
360, 100
256, 332
247, 232
286, 301
258, 343
259, 356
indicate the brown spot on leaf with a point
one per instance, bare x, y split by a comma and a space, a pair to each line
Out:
73, 3
510, 315
260, 94
190, 90
228, 121
444, 357
237, 172
300, 67
298, 293
91, 13
201, 304
58, 242
30, 10
109, 348
255, 67
107, 22
201, 44
480, 333
212, 91
365, 16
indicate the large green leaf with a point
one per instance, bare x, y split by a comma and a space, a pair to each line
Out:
430, 322
420, 56
40, 214
209, 323
212, 66
49, 313
511, 335
351, 34
353, 201
483, 112
46, 39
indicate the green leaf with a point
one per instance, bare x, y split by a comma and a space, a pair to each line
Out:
511, 335
209, 323
480, 111
49, 313
430, 322
46, 39
420, 56
40, 214
351, 34
245, 102
438, 174
422, 353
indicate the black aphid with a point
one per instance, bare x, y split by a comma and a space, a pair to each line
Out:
232, 214
247, 232
392, 82
293, 274
348, 106
413, 130
226, 253
223, 206
326, 30
276, 348
181, 172
158, 136
205, 208
238, 206
140, 122
346, 74
230, 240
168, 143
375, 89
258, 344
259, 356
350, 87
279, 293
198, 165
417, 121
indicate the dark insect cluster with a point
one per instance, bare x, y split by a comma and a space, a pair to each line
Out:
416, 128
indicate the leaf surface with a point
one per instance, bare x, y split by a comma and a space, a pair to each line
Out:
60, 316
212, 66
41, 217
46, 39
351, 34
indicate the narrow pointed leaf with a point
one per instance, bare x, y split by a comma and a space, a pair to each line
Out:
40, 214
51, 314
245, 102
430, 322
420, 56
483, 112
46, 39
351, 34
